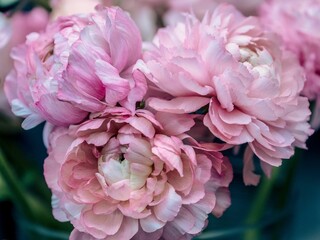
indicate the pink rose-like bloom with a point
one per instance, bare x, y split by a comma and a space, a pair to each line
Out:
229, 64
80, 64
13, 31
297, 22
120, 176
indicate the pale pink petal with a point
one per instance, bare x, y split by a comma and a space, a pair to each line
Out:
185, 221
223, 201
178, 105
104, 207
249, 177
151, 224
124, 38
77, 235
117, 88
120, 190
142, 235
128, 229
108, 224
175, 124
143, 125
168, 209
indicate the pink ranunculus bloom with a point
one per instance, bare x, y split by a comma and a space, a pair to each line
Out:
119, 176
13, 31
228, 64
297, 23
80, 64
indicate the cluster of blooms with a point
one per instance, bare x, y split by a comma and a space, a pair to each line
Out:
127, 156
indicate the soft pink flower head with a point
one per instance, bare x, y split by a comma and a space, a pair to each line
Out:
297, 22
80, 64
229, 65
13, 31
120, 176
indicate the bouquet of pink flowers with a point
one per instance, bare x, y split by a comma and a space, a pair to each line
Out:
138, 133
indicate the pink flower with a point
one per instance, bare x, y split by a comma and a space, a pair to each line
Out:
13, 31
229, 65
120, 176
80, 64
296, 22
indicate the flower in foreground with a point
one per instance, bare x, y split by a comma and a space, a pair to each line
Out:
228, 64
297, 22
120, 176
80, 64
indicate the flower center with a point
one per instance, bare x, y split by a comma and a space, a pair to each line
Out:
118, 167
114, 168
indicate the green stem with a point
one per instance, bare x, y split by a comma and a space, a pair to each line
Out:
264, 192
291, 171
259, 203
